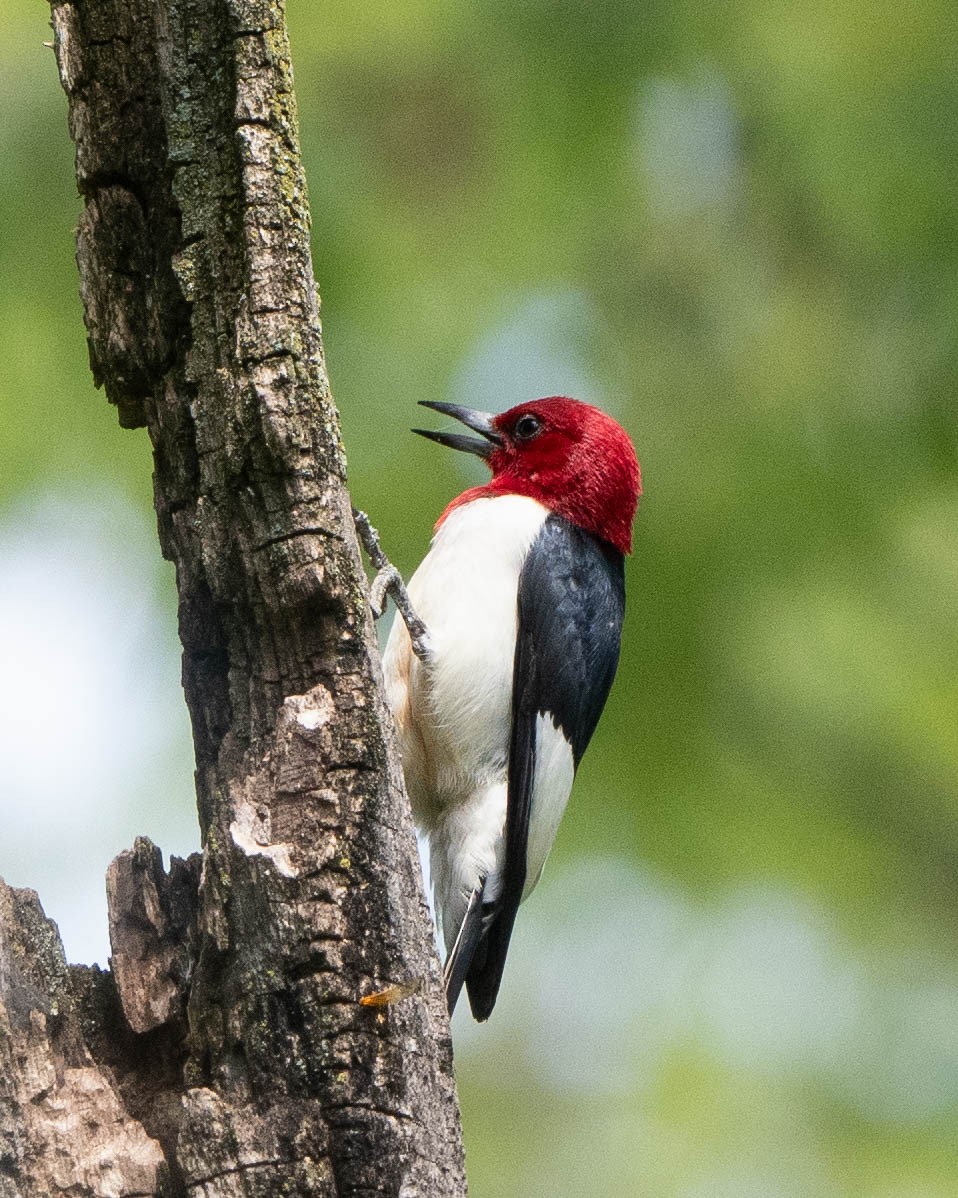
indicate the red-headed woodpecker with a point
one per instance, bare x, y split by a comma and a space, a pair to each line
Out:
522, 596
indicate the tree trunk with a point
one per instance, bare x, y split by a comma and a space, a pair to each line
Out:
226, 1052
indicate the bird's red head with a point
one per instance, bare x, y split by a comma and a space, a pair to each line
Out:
570, 456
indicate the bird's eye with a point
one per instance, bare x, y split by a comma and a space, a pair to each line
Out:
526, 427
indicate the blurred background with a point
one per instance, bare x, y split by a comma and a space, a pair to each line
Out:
736, 228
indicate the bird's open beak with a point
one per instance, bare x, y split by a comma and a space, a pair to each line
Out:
479, 422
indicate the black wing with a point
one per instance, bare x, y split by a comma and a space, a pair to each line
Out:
571, 604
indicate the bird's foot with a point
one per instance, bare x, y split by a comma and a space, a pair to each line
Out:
388, 581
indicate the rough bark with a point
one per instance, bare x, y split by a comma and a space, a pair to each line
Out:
226, 1052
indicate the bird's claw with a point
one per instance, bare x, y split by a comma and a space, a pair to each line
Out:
388, 581
380, 588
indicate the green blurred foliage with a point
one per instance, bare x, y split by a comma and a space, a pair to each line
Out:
736, 226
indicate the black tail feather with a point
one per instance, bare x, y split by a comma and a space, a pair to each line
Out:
485, 972
460, 958
478, 956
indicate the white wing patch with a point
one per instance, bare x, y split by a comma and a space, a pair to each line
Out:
555, 770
